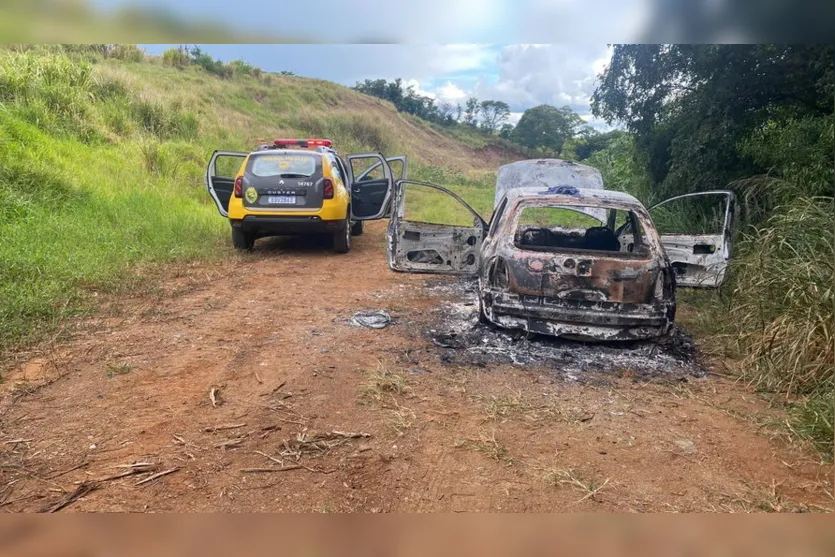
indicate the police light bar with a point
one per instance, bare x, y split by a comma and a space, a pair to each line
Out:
303, 143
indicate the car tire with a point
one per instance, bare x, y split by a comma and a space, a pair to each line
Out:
342, 237
243, 241
357, 228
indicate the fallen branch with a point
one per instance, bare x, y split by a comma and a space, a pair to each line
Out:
73, 469
273, 469
231, 443
83, 489
132, 469
222, 427
157, 475
350, 435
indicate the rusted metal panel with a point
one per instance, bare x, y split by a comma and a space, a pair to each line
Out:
700, 260
580, 293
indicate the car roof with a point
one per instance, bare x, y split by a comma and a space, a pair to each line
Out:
289, 152
568, 195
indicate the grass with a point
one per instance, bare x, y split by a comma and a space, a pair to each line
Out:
102, 161
118, 369
382, 381
589, 487
487, 444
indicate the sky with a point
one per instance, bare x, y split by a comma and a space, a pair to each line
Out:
522, 75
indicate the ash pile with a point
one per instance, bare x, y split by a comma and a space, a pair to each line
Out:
462, 339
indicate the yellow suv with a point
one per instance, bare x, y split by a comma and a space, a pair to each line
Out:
301, 186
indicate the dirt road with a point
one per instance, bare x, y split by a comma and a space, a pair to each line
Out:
251, 386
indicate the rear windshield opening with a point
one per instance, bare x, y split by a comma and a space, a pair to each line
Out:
559, 228
283, 166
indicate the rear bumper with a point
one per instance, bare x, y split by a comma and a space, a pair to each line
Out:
584, 320
286, 225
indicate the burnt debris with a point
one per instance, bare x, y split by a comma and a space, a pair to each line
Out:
460, 337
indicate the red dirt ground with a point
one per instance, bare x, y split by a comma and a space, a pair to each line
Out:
268, 334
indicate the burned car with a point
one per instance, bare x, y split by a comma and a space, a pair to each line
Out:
560, 260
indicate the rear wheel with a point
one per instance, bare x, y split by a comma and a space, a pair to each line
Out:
242, 240
357, 228
342, 237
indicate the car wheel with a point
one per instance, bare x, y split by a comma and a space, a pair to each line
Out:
342, 237
357, 228
242, 240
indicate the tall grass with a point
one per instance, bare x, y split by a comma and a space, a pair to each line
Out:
776, 313
102, 153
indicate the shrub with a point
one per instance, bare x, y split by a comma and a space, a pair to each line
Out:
240, 67
126, 52
176, 58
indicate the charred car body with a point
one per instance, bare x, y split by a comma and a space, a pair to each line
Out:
562, 259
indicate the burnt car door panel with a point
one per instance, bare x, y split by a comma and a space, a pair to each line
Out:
370, 191
432, 247
696, 231
220, 177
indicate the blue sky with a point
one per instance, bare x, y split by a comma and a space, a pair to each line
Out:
521, 75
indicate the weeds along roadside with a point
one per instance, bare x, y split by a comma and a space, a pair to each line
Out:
773, 322
102, 155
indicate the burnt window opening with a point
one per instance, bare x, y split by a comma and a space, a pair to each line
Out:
585, 229
427, 205
429, 256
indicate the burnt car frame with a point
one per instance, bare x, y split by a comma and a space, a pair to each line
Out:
613, 281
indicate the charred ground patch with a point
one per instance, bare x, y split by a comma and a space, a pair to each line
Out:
458, 337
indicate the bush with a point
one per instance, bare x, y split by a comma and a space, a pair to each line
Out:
126, 52
239, 67
176, 58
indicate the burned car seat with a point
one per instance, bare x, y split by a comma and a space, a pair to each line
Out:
601, 238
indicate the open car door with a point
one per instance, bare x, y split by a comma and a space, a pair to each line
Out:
696, 230
371, 184
220, 177
399, 169
432, 230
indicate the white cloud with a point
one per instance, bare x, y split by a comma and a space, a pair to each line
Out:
450, 92
415, 84
558, 75
515, 117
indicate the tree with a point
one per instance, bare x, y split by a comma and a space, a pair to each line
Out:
546, 126
506, 132
446, 112
471, 110
493, 115
587, 142
691, 106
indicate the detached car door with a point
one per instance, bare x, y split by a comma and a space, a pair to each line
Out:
697, 233
371, 183
432, 230
220, 177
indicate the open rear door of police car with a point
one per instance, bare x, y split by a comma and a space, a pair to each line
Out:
371, 181
220, 177
432, 230
696, 230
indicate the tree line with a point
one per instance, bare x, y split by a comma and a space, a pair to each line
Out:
545, 128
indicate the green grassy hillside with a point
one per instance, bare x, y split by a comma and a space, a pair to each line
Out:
102, 161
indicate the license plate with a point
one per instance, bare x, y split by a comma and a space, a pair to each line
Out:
281, 200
